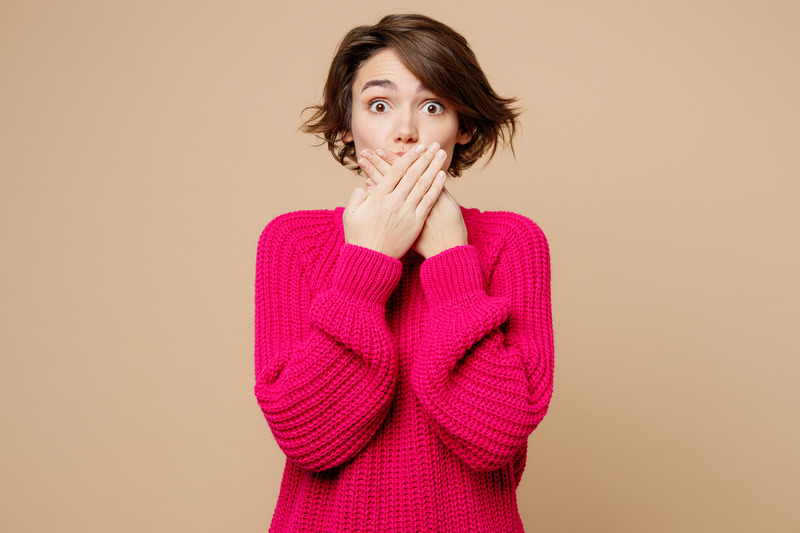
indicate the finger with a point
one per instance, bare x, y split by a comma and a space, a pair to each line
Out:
431, 195
426, 180
377, 163
369, 169
380, 159
356, 199
383, 161
417, 170
399, 169
428, 176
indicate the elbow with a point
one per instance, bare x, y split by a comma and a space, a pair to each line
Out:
317, 456
486, 460
499, 454
315, 462
318, 433
487, 455
317, 447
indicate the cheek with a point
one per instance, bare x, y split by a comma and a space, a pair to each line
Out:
447, 133
447, 139
449, 144
363, 133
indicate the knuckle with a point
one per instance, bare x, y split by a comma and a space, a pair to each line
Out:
415, 171
398, 171
393, 204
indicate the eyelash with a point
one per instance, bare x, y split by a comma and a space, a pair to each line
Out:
428, 103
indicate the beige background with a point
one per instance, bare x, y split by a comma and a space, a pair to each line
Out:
145, 144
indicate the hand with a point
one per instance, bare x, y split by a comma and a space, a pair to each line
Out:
444, 227
391, 215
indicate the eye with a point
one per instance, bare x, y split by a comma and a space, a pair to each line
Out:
434, 108
378, 106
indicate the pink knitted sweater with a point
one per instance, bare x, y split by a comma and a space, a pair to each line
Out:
402, 391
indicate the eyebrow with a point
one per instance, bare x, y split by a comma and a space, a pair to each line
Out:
387, 84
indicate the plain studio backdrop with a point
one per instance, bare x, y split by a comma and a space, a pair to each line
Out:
145, 144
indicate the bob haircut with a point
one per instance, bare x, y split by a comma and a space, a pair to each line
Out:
445, 64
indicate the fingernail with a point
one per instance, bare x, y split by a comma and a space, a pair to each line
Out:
433, 147
365, 154
420, 148
440, 155
362, 162
380, 152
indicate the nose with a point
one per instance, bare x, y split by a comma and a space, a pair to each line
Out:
406, 127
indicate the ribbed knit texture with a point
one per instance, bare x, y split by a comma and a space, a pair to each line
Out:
402, 391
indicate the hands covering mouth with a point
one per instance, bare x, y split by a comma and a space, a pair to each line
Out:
413, 211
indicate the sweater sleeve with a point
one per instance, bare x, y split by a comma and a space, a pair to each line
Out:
484, 375
325, 364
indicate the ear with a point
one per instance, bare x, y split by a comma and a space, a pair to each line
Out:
463, 136
347, 137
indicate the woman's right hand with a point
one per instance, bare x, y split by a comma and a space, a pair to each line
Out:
389, 217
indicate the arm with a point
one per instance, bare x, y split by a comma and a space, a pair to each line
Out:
325, 364
484, 374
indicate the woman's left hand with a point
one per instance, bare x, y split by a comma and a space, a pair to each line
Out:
444, 228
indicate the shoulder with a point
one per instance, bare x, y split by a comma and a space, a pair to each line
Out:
307, 238
298, 228
498, 230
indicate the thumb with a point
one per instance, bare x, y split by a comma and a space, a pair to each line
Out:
356, 198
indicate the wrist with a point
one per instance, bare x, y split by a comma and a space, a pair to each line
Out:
366, 274
452, 274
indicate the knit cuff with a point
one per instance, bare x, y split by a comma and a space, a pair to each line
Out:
451, 275
366, 274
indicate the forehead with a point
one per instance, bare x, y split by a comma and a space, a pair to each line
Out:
384, 65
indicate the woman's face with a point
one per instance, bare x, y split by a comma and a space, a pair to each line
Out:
394, 112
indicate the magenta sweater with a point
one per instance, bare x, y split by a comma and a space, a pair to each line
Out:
402, 391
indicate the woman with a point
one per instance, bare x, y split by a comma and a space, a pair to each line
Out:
404, 347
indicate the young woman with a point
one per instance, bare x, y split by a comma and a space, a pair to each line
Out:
404, 346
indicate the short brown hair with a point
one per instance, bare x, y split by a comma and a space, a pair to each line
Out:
445, 64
